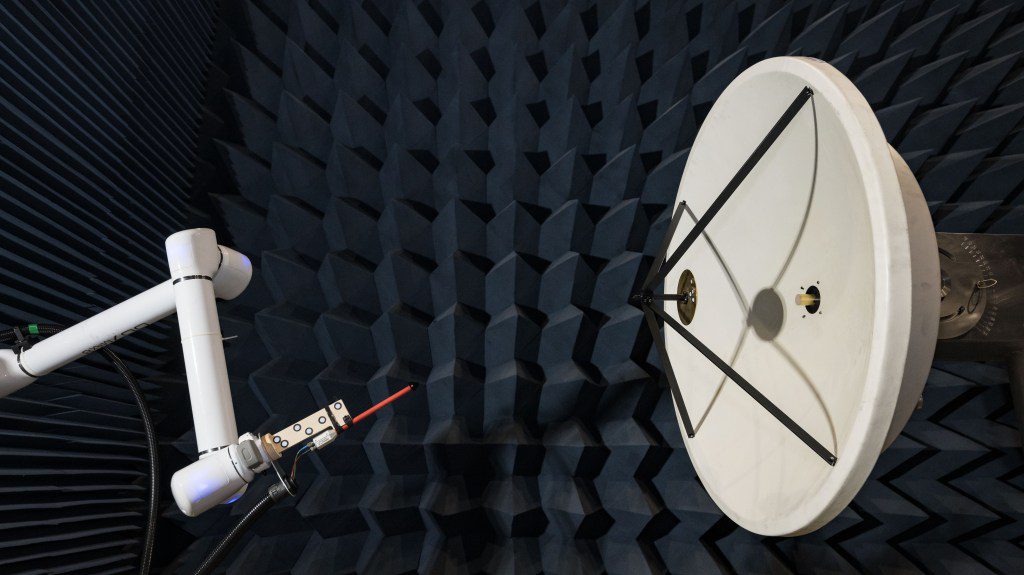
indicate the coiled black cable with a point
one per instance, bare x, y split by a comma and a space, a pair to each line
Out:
43, 329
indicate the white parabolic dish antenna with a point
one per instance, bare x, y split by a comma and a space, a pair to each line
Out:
816, 283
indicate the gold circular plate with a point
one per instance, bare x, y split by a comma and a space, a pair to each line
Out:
687, 307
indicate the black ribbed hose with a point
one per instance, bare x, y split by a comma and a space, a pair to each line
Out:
146, 557
277, 492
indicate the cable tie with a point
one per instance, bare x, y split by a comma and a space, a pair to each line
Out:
22, 343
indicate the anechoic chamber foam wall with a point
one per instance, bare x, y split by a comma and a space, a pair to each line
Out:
465, 195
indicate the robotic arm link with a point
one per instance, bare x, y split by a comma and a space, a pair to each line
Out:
200, 271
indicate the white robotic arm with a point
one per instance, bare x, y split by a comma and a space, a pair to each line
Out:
200, 271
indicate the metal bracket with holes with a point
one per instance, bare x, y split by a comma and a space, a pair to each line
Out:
332, 417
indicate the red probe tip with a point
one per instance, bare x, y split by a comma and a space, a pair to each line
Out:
380, 404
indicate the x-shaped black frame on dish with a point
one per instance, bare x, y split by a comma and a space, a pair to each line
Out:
661, 267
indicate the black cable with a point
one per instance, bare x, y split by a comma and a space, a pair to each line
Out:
36, 330
154, 460
295, 462
277, 492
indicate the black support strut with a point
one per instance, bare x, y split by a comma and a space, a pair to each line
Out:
661, 267
766, 403
734, 183
666, 240
671, 297
652, 324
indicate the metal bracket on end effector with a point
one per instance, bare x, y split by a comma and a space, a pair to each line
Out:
332, 418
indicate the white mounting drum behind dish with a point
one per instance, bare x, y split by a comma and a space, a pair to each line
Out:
924, 264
